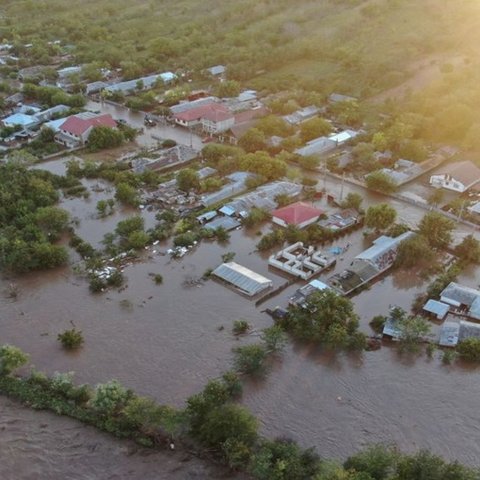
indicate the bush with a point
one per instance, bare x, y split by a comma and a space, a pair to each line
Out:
240, 326
469, 349
11, 358
250, 359
71, 339
377, 323
158, 279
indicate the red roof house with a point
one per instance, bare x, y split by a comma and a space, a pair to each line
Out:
77, 128
213, 117
300, 214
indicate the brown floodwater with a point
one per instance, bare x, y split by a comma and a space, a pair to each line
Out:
166, 341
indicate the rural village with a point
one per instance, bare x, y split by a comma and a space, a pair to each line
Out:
263, 214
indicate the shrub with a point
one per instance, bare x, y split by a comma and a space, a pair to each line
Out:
158, 279
377, 323
469, 349
71, 339
240, 326
250, 359
11, 358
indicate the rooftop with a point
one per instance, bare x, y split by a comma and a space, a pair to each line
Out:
78, 124
242, 278
297, 213
465, 172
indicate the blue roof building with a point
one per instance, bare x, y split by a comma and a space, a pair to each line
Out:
21, 119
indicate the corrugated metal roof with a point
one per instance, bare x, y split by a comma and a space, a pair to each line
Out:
438, 308
243, 278
455, 293
228, 223
449, 334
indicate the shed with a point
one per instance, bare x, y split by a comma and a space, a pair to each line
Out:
227, 210
244, 279
449, 334
227, 223
207, 216
439, 309
217, 70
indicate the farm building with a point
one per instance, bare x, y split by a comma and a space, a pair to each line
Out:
242, 278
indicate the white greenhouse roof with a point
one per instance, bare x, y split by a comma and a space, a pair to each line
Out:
242, 278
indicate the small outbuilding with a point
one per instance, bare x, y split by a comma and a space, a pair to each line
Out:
439, 309
242, 278
300, 214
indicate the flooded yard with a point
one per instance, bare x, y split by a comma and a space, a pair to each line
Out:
166, 341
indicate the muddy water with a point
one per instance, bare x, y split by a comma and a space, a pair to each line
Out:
166, 341
39, 445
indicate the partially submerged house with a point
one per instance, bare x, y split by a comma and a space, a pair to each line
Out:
462, 299
76, 129
369, 264
242, 278
438, 309
299, 214
341, 220
143, 83
454, 332
459, 177
300, 261
301, 295
213, 117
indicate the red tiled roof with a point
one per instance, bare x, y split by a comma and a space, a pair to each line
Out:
297, 213
78, 126
212, 111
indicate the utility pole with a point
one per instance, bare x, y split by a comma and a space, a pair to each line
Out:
324, 175
341, 189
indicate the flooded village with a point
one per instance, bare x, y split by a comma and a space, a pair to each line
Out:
165, 339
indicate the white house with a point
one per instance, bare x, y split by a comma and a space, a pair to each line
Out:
458, 177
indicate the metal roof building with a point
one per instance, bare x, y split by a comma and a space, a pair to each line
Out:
437, 308
242, 278
228, 223
449, 334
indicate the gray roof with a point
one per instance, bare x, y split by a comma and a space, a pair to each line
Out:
301, 115
242, 278
186, 106
148, 82
381, 247
460, 294
228, 223
217, 70
449, 334
440, 309
317, 146
468, 330
337, 97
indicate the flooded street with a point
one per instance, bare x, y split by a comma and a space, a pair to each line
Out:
151, 135
166, 342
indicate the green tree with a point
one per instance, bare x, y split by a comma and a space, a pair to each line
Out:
274, 338
380, 217
437, 229
283, 460
102, 137
378, 461
127, 194
320, 318
353, 200
130, 225
250, 359
253, 140
412, 332
469, 250
52, 220
187, 179
227, 422
109, 398
11, 358
415, 251
380, 182
469, 349
314, 128
229, 88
